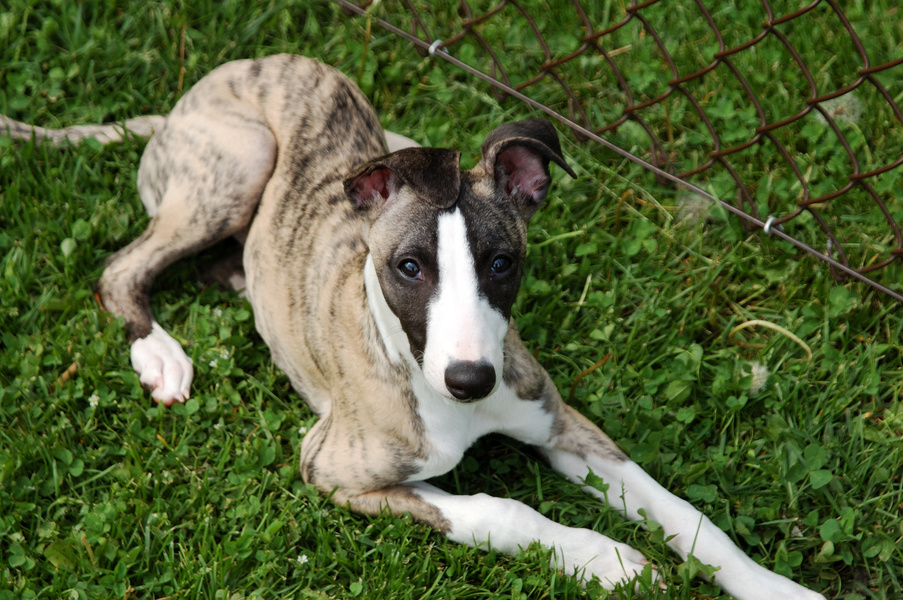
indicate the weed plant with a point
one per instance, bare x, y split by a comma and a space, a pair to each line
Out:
105, 495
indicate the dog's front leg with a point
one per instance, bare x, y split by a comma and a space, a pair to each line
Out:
580, 447
506, 525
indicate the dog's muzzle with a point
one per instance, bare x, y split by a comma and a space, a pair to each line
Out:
468, 381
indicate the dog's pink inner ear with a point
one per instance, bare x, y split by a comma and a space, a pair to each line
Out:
371, 188
526, 175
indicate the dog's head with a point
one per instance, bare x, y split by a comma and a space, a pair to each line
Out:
448, 247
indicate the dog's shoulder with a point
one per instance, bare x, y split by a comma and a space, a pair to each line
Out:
523, 373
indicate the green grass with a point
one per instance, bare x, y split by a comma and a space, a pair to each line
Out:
104, 495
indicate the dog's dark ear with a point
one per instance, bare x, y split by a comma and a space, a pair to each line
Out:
434, 174
518, 155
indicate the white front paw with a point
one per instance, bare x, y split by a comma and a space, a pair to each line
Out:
594, 554
781, 588
762, 584
162, 366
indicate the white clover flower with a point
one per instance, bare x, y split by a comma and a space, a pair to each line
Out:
692, 208
302, 559
94, 400
760, 375
843, 109
302, 430
213, 363
217, 312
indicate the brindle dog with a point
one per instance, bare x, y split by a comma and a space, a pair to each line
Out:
383, 284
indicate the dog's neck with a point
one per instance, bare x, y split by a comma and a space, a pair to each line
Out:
396, 342
449, 425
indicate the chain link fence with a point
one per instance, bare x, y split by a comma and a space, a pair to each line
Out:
783, 108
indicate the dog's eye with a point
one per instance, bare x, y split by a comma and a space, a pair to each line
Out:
501, 265
410, 269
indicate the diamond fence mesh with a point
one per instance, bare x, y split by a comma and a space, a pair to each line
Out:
782, 108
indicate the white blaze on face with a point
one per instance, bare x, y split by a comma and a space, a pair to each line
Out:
461, 324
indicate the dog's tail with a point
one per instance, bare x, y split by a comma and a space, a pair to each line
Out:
105, 134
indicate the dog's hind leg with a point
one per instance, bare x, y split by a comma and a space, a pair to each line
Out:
228, 271
201, 181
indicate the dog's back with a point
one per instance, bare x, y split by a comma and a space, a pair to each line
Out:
324, 126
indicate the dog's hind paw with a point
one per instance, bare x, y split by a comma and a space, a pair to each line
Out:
162, 366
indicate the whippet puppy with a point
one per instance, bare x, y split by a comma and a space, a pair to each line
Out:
383, 284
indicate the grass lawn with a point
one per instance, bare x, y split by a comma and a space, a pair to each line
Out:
104, 495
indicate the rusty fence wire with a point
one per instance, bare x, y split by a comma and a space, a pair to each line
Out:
782, 107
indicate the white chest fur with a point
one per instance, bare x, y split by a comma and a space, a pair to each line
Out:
452, 427
448, 428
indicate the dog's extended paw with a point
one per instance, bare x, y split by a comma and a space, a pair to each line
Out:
798, 593
778, 588
593, 554
762, 584
162, 366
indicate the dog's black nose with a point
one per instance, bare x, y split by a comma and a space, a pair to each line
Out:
469, 380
